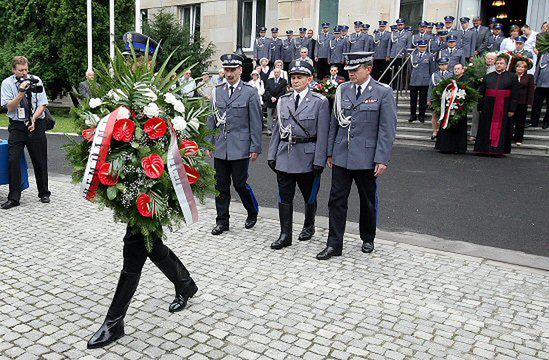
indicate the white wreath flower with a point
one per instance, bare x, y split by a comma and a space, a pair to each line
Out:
151, 110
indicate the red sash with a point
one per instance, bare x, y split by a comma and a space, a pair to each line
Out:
498, 114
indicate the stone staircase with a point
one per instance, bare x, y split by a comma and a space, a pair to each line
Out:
536, 140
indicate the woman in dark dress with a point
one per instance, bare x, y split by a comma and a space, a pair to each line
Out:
453, 140
525, 99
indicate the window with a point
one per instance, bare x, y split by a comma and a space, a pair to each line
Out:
328, 13
253, 17
189, 17
412, 11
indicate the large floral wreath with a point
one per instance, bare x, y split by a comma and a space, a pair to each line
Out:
327, 87
142, 153
452, 100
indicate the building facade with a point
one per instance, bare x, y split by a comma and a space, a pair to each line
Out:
217, 20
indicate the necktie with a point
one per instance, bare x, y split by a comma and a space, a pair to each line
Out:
231, 89
358, 91
296, 101
442, 74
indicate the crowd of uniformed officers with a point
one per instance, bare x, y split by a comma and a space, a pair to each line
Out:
354, 138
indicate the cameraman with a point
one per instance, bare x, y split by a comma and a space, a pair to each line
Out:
25, 99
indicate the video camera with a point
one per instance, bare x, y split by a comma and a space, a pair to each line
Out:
33, 87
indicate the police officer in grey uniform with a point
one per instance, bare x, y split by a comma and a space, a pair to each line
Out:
400, 42
541, 94
449, 26
238, 121
369, 42
322, 51
297, 152
436, 77
262, 46
288, 49
337, 48
362, 132
455, 55
357, 41
381, 46
302, 42
422, 67
468, 38
422, 34
276, 47
494, 40
438, 44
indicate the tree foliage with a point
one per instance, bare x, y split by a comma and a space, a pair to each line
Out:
165, 27
53, 36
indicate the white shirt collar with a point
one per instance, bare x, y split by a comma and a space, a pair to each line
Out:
363, 86
301, 94
235, 86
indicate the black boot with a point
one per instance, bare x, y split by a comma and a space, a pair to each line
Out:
176, 272
113, 326
309, 224
285, 212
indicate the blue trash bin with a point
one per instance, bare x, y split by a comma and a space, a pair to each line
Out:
4, 171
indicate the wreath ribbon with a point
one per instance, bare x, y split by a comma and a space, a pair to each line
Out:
446, 102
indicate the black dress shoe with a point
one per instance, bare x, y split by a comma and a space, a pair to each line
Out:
367, 247
412, 119
250, 221
220, 229
327, 253
421, 119
45, 199
9, 204
545, 126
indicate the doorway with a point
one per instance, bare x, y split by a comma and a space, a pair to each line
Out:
508, 12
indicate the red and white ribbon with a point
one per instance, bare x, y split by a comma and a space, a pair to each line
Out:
98, 155
447, 102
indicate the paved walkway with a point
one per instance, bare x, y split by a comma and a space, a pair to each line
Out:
60, 263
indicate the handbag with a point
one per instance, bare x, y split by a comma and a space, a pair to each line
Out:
49, 120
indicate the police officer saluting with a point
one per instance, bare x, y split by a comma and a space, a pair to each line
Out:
362, 132
238, 121
297, 152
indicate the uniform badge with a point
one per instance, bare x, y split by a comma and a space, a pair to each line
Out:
229, 56
370, 101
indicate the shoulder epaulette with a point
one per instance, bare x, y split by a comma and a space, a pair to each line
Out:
218, 85
382, 84
317, 95
287, 94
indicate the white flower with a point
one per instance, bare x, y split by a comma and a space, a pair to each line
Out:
179, 107
115, 94
151, 110
194, 124
92, 120
95, 102
170, 98
179, 123
123, 113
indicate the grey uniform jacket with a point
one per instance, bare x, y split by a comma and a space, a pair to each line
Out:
276, 49
493, 43
421, 68
241, 133
262, 48
399, 40
456, 56
358, 42
337, 48
436, 46
322, 50
436, 78
467, 42
288, 50
368, 140
481, 38
302, 43
541, 76
419, 36
381, 44
313, 114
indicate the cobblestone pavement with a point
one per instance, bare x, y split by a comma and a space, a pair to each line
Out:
60, 263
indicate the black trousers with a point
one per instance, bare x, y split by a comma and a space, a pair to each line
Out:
135, 253
519, 120
379, 67
308, 184
237, 170
540, 95
286, 66
422, 91
322, 68
37, 145
342, 180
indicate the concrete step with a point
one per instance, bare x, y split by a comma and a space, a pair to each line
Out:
425, 141
404, 107
403, 121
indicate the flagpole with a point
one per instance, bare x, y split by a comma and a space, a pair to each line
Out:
90, 38
138, 16
111, 28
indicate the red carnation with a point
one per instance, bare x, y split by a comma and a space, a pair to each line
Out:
144, 205
153, 166
88, 134
155, 127
105, 176
123, 130
192, 174
191, 148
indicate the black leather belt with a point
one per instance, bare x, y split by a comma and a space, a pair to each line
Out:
301, 140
